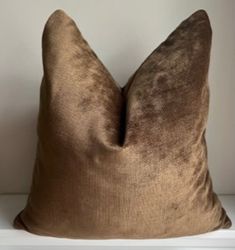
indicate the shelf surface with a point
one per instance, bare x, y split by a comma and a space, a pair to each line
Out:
10, 205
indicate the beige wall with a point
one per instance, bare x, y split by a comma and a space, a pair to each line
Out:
122, 33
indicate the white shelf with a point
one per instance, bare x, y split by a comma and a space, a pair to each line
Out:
10, 205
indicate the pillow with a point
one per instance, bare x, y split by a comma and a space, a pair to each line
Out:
123, 162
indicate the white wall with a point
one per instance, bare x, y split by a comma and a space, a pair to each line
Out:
123, 33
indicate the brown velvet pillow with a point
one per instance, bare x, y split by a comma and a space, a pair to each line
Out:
123, 163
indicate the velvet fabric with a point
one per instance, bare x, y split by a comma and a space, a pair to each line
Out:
123, 162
